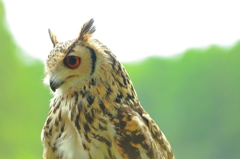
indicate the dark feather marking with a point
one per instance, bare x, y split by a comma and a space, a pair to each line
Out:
92, 82
150, 153
113, 59
73, 112
126, 101
102, 106
56, 123
89, 155
60, 115
80, 107
119, 97
76, 97
117, 100
77, 122
119, 67
129, 150
87, 138
138, 138
56, 108
94, 59
69, 50
133, 137
92, 112
109, 115
110, 152
116, 79
89, 118
86, 127
50, 131
46, 134
84, 146
83, 93
90, 100
121, 123
102, 139
102, 121
101, 127
109, 91
120, 84
130, 96
94, 127
54, 101
60, 134
54, 149
49, 119
124, 79
62, 127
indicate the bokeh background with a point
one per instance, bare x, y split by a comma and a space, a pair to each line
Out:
195, 99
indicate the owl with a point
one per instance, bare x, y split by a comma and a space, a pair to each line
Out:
95, 112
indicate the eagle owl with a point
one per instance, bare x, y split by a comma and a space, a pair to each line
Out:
95, 112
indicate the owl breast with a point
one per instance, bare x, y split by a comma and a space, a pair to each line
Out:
88, 138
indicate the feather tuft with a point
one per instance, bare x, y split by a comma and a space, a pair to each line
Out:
53, 37
87, 30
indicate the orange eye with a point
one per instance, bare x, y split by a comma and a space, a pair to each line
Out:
72, 61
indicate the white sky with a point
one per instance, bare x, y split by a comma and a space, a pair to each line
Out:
131, 29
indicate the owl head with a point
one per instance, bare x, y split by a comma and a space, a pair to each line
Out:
72, 64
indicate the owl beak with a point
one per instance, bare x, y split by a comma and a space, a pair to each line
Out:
55, 84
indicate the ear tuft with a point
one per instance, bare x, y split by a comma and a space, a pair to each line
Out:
53, 37
87, 30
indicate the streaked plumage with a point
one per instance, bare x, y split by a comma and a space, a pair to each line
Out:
95, 112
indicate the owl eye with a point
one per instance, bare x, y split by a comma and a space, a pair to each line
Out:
72, 61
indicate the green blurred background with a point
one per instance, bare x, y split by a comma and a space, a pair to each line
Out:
194, 99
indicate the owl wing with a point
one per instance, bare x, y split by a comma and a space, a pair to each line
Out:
138, 136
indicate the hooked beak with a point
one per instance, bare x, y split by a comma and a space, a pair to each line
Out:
55, 84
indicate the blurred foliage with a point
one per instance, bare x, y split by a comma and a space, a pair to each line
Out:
23, 100
195, 100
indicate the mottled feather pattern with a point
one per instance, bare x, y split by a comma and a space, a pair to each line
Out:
95, 112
